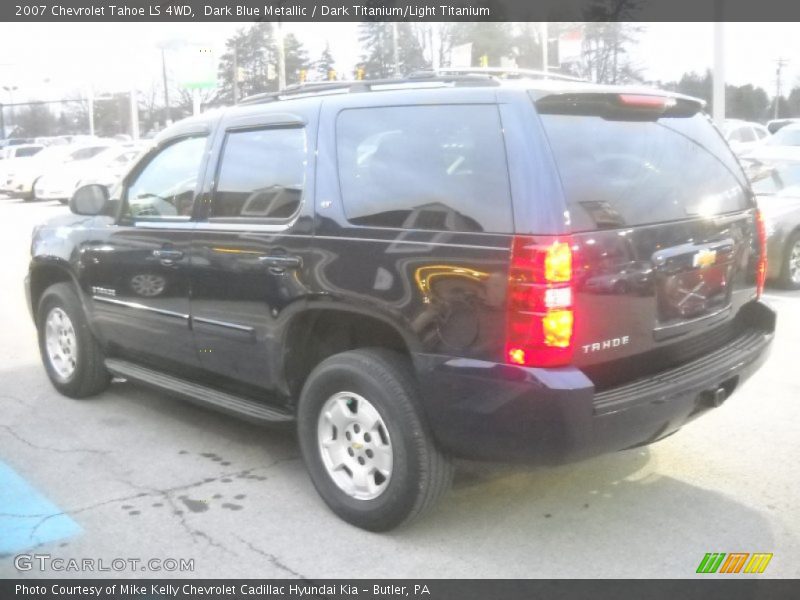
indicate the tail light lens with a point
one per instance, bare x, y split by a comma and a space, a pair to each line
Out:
540, 316
761, 269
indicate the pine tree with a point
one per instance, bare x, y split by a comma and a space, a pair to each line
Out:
296, 58
257, 61
376, 44
325, 64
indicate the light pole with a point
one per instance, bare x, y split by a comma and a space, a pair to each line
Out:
10, 89
281, 57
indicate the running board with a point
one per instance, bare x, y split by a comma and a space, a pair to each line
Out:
199, 394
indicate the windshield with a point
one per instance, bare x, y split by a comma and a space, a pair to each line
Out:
786, 137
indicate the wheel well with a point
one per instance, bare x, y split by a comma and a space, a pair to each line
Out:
317, 334
42, 277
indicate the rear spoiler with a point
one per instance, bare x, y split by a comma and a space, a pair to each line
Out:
619, 105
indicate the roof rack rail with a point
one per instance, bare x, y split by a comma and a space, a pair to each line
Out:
513, 71
418, 79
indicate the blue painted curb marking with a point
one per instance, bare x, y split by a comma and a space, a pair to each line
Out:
27, 518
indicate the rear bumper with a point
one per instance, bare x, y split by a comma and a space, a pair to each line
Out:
492, 411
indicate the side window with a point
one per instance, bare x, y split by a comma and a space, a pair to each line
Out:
164, 188
23, 152
424, 167
261, 174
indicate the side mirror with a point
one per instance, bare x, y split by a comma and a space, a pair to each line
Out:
89, 200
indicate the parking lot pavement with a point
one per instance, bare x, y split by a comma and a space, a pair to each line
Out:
134, 474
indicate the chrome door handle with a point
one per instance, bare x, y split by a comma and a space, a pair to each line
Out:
281, 262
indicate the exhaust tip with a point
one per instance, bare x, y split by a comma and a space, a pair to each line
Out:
715, 397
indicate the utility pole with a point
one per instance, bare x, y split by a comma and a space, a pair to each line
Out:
235, 73
435, 41
134, 115
545, 48
718, 91
90, 108
10, 89
167, 119
281, 58
780, 63
395, 50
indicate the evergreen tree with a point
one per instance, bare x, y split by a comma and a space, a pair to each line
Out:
296, 58
493, 40
325, 64
257, 61
376, 45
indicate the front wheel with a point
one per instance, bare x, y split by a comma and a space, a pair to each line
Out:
365, 443
71, 355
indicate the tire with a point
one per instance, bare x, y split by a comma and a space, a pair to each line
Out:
61, 322
791, 254
31, 196
419, 474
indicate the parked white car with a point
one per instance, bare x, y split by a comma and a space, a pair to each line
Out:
105, 168
744, 136
14, 156
20, 151
783, 145
22, 180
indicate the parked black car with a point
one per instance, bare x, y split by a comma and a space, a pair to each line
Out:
404, 269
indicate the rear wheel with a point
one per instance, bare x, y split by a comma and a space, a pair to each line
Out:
365, 443
31, 196
71, 355
790, 271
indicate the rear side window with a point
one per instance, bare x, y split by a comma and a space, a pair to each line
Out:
84, 153
424, 167
23, 152
261, 175
620, 173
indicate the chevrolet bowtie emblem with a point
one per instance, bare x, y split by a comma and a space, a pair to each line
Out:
705, 258
357, 446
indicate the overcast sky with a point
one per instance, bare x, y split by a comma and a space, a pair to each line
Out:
46, 60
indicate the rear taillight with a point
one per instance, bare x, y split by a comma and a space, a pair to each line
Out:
761, 269
540, 312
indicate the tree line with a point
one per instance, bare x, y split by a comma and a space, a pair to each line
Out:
250, 62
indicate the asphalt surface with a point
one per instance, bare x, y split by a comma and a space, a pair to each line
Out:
135, 474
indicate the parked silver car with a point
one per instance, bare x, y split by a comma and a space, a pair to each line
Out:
777, 187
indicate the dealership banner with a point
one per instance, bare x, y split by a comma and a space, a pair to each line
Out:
400, 10
397, 589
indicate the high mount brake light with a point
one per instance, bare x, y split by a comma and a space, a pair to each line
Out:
761, 269
646, 101
540, 315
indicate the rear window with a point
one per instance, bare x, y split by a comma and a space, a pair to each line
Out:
424, 167
620, 173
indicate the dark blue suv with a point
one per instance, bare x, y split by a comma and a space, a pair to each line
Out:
413, 270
